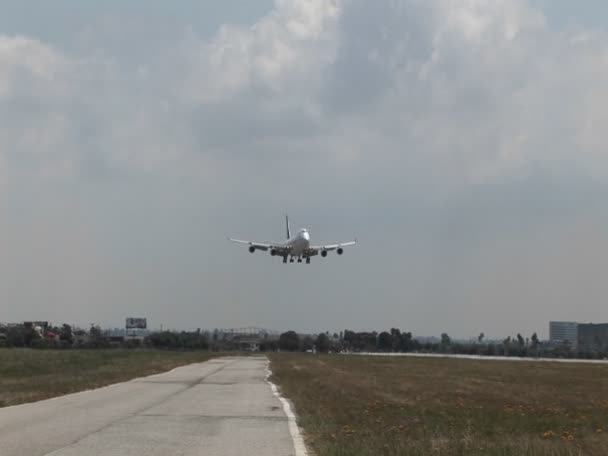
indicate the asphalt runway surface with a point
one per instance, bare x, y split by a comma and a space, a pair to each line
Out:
221, 407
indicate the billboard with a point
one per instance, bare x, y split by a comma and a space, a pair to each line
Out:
136, 323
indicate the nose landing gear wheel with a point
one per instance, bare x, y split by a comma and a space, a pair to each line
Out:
308, 260
285, 259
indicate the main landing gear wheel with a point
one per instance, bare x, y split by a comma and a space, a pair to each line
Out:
285, 259
299, 260
308, 260
291, 260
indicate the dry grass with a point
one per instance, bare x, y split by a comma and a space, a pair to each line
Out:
351, 405
31, 375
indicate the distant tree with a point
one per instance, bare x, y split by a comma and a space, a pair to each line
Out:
322, 343
396, 339
370, 340
384, 341
411, 344
289, 341
15, 337
491, 350
445, 340
507, 345
39, 343
348, 337
521, 341
407, 342
195, 340
472, 349
352, 340
95, 337
480, 337
269, 346
163, 339
192, 340
65, 335
80, 334
336, 345
131, 343
360, 341
534, 344
307, 342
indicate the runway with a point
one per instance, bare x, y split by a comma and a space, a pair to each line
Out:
218, 408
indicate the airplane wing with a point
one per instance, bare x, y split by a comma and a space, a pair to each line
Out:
323, 249
253, 246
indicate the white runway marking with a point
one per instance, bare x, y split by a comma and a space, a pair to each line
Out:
294, 429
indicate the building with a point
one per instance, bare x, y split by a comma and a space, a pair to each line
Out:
247, 339
564, 331
249, 345
593, 336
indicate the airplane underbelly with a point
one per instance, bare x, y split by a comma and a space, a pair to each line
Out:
299, 247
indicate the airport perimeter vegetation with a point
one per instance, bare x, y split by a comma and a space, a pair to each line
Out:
392, 405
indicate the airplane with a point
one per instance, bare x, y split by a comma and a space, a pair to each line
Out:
297, 246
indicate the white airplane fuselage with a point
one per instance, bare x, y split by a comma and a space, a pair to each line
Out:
299, 243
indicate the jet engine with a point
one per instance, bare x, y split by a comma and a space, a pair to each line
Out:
273, 252
340, 251
251, 248
323, 253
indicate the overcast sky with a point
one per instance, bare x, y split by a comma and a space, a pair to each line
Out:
462, 141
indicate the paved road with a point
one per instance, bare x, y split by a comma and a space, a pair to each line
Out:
217, 408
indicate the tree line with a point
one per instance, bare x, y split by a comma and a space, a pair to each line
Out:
396, 341
63, 337
391, 341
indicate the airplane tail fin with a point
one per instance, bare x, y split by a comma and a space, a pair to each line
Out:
287, 226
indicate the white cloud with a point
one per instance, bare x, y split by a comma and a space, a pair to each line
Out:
281, 55
28, 61
478, 88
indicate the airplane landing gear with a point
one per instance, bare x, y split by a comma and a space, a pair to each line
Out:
291, 260
307, 260
299, 260
284, 258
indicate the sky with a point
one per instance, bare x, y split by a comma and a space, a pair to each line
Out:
463, 142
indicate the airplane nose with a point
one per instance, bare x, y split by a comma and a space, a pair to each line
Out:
306, 235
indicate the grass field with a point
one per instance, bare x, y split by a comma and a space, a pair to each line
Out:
31, 375
351, 405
